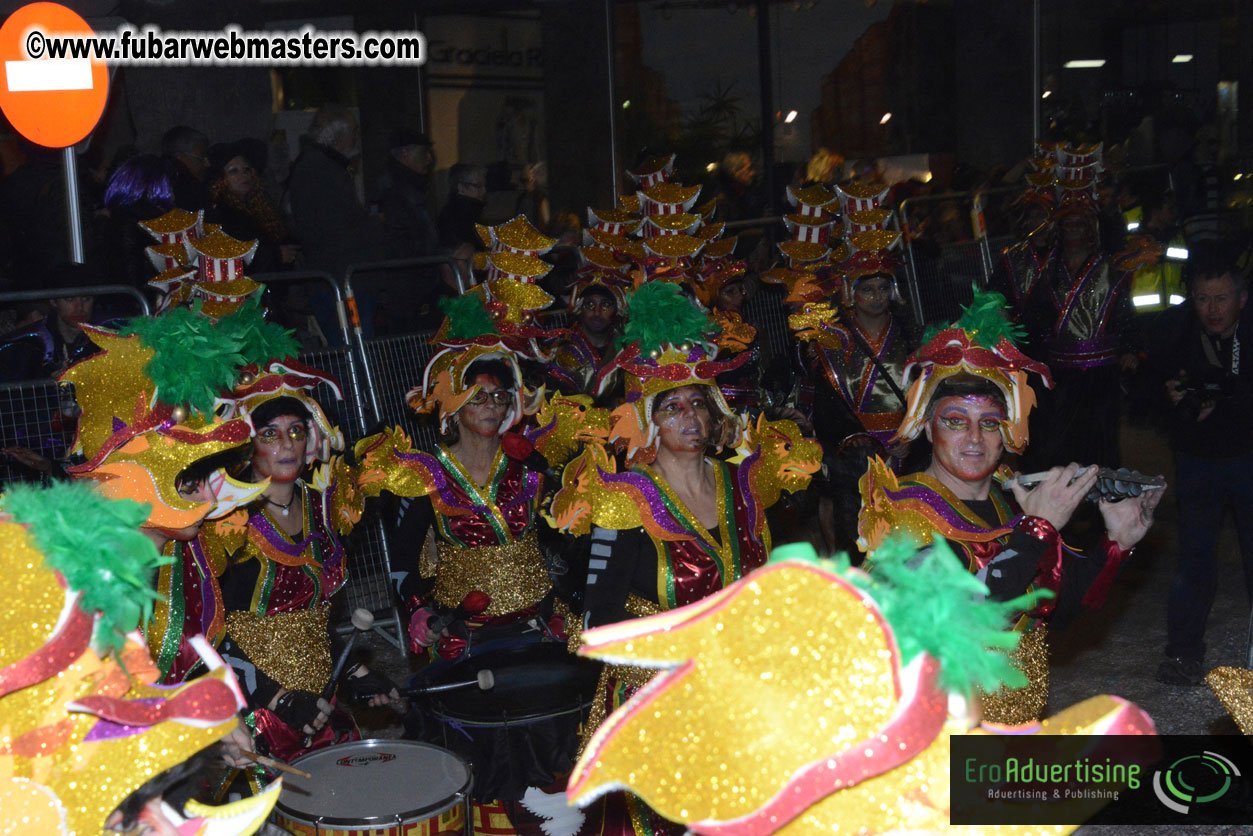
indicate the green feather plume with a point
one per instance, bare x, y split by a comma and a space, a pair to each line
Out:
467, 316
660, 314
259, 340
193, 359
96, 545
985, 318
935, 605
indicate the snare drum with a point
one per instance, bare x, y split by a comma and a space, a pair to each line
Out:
521, 733
386, 787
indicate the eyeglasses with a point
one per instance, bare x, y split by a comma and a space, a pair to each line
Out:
272, 435
501, 398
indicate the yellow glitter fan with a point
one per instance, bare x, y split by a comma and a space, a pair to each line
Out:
674, 246
680, 222
652, 170
84, 726
174, 225
804, 252
669, 197
759, 723
811, 200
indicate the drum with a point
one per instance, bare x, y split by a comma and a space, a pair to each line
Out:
386, 787
521, 733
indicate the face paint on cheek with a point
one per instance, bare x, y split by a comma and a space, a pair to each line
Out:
966, 437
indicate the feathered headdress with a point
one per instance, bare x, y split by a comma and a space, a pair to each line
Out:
981, 344
470, 333
667, 344
84, 724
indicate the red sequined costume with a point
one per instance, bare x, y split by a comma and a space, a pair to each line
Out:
277, 592
484, 538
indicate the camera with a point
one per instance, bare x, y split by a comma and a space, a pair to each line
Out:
1204, 389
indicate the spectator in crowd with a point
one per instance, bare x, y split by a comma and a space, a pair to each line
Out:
142, 188
328, 216
468, 196
1197, 360
404, 203
243, 208
533, 199
188, 149
48, 347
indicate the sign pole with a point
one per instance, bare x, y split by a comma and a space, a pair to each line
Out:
71, 205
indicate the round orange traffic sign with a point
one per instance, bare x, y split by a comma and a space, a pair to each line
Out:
53, 101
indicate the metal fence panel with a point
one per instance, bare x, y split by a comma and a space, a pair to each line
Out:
40, 415
396, 365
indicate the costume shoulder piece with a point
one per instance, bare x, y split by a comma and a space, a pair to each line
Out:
772, 458
917, 506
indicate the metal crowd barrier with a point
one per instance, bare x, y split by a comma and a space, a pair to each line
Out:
941, 274
40, 416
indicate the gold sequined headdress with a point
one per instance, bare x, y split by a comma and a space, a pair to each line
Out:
84, 725
802, 729
289, 379
152, 404
668, 345
978, 344
469, 333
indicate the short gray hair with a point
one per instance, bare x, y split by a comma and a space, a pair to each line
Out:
333, 125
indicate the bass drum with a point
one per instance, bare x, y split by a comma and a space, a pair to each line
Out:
388, 787
521, 733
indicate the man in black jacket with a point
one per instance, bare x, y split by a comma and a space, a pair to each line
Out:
1211, 432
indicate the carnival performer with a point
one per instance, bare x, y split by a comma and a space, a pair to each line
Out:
1021, 264
476, 497
679, 524
877, 700
597, 297
149, 432
1078, 317
90, 743
971, 399
286, 564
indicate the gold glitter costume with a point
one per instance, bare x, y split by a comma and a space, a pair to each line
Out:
84, 725
763, 723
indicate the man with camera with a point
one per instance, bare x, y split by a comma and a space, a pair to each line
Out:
1211, 432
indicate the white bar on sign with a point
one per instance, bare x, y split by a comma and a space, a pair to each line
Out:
48, 74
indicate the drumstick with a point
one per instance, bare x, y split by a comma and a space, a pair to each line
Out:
363, 620
273, 764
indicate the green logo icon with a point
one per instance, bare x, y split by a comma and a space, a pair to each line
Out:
1194, 779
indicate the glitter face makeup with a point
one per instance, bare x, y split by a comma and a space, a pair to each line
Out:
965, 433
279, 449
683, 419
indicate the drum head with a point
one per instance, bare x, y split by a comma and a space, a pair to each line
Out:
370, 782
535, 681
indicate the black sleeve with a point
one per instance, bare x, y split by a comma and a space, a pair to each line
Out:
416, 517
619, 562
1012, 571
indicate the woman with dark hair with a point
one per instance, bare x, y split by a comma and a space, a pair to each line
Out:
243, 208
283, 571
482, 506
